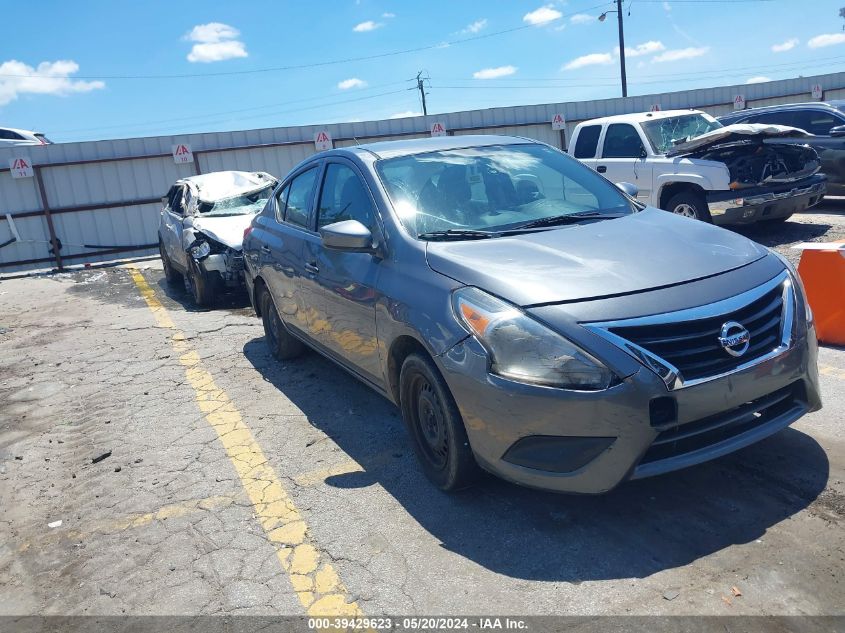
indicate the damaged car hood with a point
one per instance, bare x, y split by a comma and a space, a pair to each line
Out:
226, 229
220, 185
647, 250
737, 132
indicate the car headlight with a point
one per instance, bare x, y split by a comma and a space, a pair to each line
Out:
523, 349
800, 293
201, 250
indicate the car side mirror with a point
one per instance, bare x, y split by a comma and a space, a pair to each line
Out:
628, 188
643, 153
348, 235
839, 130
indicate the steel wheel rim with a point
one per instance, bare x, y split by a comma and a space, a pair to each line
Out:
686, 210
430, 423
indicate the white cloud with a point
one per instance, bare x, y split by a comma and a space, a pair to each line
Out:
759, 79
582, 18
681, 53
217, 51
212, 32
494, 73
215, 42
646, 48
404, 115
826, 39
476, 26
542, 15
47, 78
352, 82
388, 15
369, 25
593, 59
788, 45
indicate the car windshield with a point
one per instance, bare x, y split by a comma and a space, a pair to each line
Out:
665, 133
495, 188
243, 204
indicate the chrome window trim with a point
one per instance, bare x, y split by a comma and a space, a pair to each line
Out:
670, 374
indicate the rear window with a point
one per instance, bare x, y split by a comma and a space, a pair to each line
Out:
43, 139
587, 142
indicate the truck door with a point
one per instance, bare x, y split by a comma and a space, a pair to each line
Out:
587, 144
624, 159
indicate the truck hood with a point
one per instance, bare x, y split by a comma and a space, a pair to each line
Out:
226, 229
734, 133
644, 251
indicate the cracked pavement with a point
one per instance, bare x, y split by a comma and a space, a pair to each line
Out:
166, 525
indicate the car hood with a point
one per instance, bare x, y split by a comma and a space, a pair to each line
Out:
736, 132
647, 250
226, 229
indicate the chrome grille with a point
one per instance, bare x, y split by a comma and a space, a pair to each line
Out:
684, 347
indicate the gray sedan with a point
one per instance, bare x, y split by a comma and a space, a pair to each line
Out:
529, 317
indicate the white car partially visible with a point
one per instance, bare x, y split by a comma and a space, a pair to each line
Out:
12, 136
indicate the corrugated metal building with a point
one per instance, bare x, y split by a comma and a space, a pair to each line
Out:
102, 198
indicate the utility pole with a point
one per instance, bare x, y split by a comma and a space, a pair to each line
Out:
421, 88
618, 13
622, 48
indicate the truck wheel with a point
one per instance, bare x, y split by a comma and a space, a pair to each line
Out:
435, 425
199, 285
690, 205
282, 343
173, 277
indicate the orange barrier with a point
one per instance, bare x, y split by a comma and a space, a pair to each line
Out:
822, 271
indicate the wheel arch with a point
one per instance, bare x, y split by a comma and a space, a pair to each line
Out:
670, 189
402, 347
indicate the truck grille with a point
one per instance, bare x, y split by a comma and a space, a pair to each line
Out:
692, 436
693, 347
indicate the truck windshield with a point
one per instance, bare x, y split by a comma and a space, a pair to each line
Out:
665, 133
495, 188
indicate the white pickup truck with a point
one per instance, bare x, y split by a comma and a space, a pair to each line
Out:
686, 162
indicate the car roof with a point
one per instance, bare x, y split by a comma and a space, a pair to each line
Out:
834, 104
407, 147
639, 117
19, 130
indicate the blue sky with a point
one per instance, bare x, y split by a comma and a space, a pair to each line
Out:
93, 70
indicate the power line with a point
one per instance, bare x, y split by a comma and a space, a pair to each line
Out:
225, 112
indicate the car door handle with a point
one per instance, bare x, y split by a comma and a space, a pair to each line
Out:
601, 169
265, 249
311, 268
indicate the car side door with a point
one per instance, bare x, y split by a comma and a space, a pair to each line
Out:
281, 233
624, 158
340, 288
586, 146
173, 215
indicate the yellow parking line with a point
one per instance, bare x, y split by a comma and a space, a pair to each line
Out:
830, 370
315, 581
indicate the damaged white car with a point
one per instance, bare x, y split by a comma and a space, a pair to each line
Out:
686, 162
200, 233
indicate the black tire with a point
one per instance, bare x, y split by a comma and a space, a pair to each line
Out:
689, 204
173, 277
199, 284
282, 343
435, 425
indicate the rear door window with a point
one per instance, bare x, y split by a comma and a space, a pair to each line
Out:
815, 121
299, 197
622, 141
773, 118
587, 142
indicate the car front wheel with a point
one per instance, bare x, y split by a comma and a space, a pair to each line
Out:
690, 205
435, 425
198, 284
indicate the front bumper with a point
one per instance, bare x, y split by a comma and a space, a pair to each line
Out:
624, 419
746, 206
229, 265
